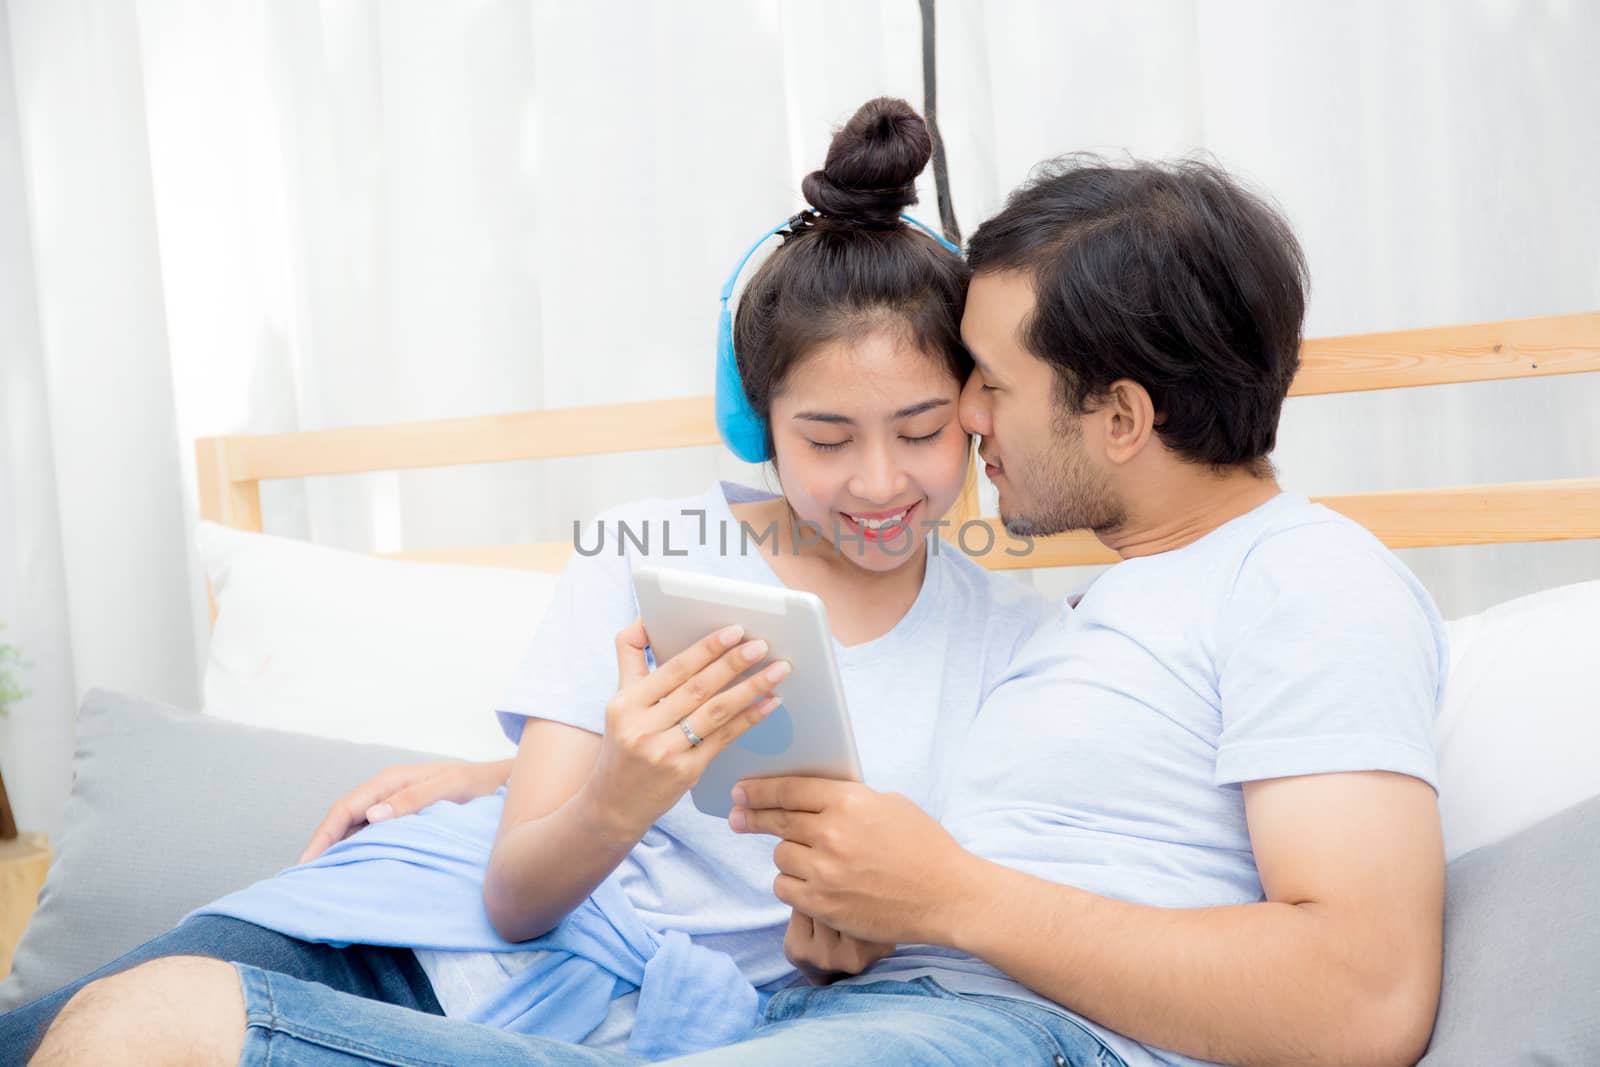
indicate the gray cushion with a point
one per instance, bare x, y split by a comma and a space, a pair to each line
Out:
170, 810
1522, 948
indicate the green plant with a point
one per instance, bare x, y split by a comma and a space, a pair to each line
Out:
11, 690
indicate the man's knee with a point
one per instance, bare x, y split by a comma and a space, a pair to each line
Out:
183, 1010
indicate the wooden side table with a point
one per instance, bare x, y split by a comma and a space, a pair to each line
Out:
23, 863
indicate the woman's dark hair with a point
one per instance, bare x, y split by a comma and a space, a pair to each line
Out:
1168, 274
853, 267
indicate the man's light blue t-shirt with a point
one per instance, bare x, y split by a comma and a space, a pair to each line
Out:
1286, 642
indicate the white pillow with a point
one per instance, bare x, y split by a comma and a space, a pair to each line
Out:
1519, 733
347, 646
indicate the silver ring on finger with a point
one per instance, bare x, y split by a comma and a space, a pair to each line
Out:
694, 738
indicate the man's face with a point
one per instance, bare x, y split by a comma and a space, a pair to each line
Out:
1035, 448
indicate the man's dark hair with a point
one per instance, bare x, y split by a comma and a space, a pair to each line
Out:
1168, 274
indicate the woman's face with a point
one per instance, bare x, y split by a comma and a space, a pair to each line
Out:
868, 445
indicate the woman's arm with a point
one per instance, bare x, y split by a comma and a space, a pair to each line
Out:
546, 858
577, 803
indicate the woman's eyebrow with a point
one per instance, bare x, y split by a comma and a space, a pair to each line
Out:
845, 420
918, 409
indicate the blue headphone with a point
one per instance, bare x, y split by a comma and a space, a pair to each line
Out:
743, 431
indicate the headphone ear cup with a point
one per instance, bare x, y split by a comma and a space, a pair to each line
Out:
742, 430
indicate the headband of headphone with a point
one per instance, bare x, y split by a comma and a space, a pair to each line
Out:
744, 431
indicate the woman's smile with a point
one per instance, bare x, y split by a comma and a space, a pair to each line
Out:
880, 525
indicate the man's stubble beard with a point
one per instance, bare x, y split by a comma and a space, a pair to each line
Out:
1064, 491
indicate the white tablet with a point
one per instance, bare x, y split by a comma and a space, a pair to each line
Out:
809, 734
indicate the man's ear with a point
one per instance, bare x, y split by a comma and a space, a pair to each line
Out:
1129, 420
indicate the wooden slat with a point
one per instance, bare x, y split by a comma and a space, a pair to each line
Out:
588, 431
1485, 351
1515, 513
1523, 512
1079, 548
226, 496
1518, 348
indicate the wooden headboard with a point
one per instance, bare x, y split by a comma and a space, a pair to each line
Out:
232, 468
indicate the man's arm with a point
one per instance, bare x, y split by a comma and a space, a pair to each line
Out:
403, 790
1340, 964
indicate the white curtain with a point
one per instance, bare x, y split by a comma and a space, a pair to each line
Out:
231, 216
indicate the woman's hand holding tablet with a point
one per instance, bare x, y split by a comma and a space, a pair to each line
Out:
810, 734
664, 726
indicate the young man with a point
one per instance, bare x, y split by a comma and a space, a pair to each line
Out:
1197, 822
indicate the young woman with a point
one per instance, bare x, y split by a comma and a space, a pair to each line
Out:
590, 900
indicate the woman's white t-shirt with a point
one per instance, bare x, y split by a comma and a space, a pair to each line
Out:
912, 695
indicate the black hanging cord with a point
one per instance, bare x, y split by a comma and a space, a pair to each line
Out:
930, 113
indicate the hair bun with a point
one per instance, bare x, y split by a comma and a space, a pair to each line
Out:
871, 171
